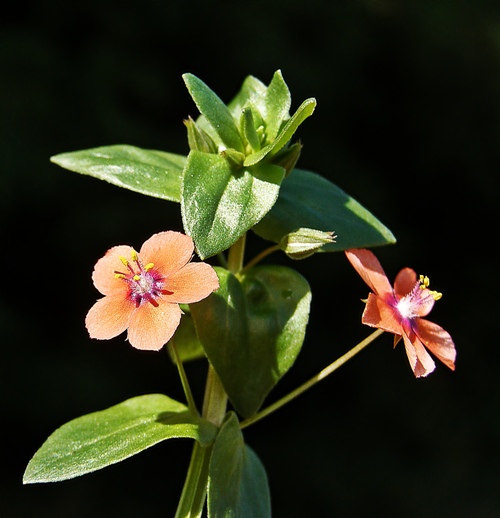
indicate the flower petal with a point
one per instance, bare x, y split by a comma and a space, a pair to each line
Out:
370, 270
151, 327
437, 340
379, 314
108, 317
192, 283
169, 251
104, 270
405, 282
420, 360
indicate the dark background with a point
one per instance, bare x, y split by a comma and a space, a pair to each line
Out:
407, 122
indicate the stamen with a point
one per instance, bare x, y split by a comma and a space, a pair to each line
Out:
124, 260
120, 275
149, 266
136, 277
424, 285
134, 256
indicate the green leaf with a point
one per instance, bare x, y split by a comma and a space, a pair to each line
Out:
309, 200
219, 204
237, 483
97, 440
252, 93
278, 102
150, 172
215, 111
252, 329
305, 110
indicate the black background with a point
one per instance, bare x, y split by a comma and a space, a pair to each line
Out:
407, 122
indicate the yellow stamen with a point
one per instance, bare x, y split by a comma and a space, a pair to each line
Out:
137, 277
424, 284
134, 256
119, 276
123, 260
149, 266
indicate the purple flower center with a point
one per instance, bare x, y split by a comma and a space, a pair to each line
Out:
145, 283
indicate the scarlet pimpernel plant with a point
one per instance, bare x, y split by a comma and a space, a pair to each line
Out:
246, 319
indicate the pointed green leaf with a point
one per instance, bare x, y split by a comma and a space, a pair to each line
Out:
220, 204
252, 92
215, 111
150, 172
97, 440
278, 102
305, 110
237, 483
252, 329
309, 200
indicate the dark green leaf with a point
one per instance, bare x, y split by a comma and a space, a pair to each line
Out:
237, 483
150, 172
308, 200
97, 440
215, 111
252, 329
220, 204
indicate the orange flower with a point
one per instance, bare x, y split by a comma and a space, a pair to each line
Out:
399, 310
143, 290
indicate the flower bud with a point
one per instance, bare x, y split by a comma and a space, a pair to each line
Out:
304, 242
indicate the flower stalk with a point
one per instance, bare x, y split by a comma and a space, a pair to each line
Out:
315, 379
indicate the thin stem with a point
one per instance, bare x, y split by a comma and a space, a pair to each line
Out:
236, 254
260, 256
194, 491
184, 380
308, 384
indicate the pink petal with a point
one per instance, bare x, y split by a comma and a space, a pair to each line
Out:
420, 360
108, 317
405, 282
370, 270
437, 340
379, 314
151, 327
104, 270
192, 283
169, 251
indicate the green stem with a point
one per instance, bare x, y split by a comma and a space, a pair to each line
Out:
236, 254
194, 491
184, 380
260, 256
308, 384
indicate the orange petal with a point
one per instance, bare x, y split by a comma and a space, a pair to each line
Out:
405, 282
437, 340
169, 251
104, 270
370, 270
192, 283
379, 314
108, 317
420, 360
152, 327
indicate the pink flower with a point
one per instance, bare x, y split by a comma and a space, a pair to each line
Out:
399, 310
142, 291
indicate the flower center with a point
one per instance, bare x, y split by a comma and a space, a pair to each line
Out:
419, 301
145, 283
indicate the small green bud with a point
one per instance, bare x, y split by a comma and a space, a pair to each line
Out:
305, 242
198, 139
235, 158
